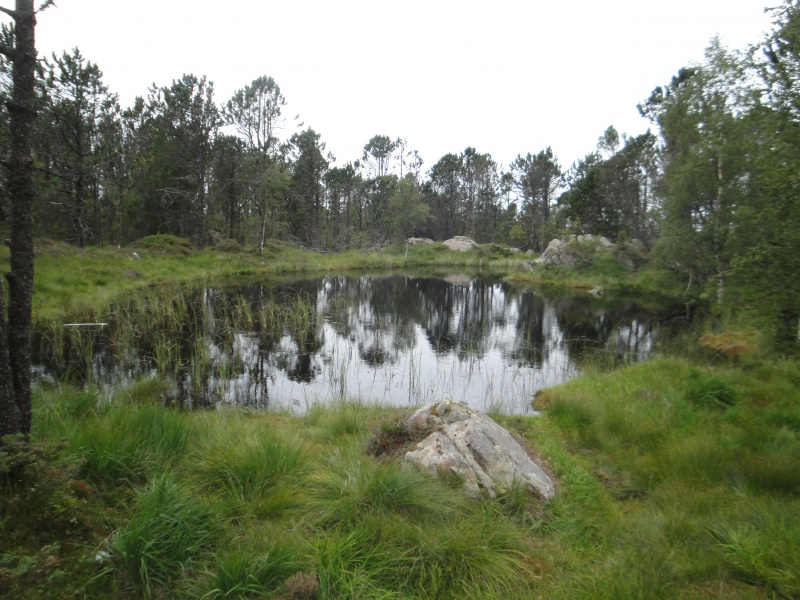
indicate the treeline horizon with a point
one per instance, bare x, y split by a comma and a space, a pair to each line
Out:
711, 191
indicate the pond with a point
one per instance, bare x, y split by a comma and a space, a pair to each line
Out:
399, 339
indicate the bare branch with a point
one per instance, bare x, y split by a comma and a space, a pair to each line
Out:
9, 12
45, 5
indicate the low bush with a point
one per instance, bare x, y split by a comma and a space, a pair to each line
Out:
164, 243
228, 245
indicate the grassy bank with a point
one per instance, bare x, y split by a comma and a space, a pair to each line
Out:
82, 281
74, 282
675, 481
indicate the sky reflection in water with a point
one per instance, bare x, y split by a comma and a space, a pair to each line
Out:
402, 340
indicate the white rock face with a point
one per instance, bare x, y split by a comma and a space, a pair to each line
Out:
474, 447
461, 243
419, 241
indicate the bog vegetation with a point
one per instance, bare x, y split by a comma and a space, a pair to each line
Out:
677, 478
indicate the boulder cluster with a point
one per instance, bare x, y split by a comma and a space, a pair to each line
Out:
571, 251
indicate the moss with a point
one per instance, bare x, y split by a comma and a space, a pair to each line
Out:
168, 244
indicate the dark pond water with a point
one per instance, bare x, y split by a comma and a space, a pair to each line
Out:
397, 339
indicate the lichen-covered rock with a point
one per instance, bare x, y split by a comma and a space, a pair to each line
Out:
419, 241
558, 253
572, 250
461, 243
472, 446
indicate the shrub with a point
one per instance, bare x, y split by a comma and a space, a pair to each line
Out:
228, 245
164, 243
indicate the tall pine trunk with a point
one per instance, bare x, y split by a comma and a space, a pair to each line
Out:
15, 329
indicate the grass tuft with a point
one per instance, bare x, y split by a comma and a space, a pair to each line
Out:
170, 532
350, 487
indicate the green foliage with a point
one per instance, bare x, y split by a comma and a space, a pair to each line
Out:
345, 419
765, 548
228, 245
709, 391
122, 444
480, 558
249, 468
657, 439
164, 243
53, 248
660, 494
244, 573
350, 488
170, 531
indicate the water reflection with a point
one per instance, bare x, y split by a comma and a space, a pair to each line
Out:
399, 339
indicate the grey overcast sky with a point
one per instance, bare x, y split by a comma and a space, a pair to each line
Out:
505, 76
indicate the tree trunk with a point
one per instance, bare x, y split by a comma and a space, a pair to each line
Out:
10, 414
15, 333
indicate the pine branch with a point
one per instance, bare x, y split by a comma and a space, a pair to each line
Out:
45, 5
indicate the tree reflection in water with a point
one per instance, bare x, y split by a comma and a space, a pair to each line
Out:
396, 339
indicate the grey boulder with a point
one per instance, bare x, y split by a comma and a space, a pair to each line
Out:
461, 243
474, 447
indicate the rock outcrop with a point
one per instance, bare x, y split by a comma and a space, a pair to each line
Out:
475, 448
559, 253
419, 241
571, 251
461, 243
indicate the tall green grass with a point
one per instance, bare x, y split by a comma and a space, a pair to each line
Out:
127, 437
350, 487
253, 572
170, 533
703, 463
248, 462
675, 480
